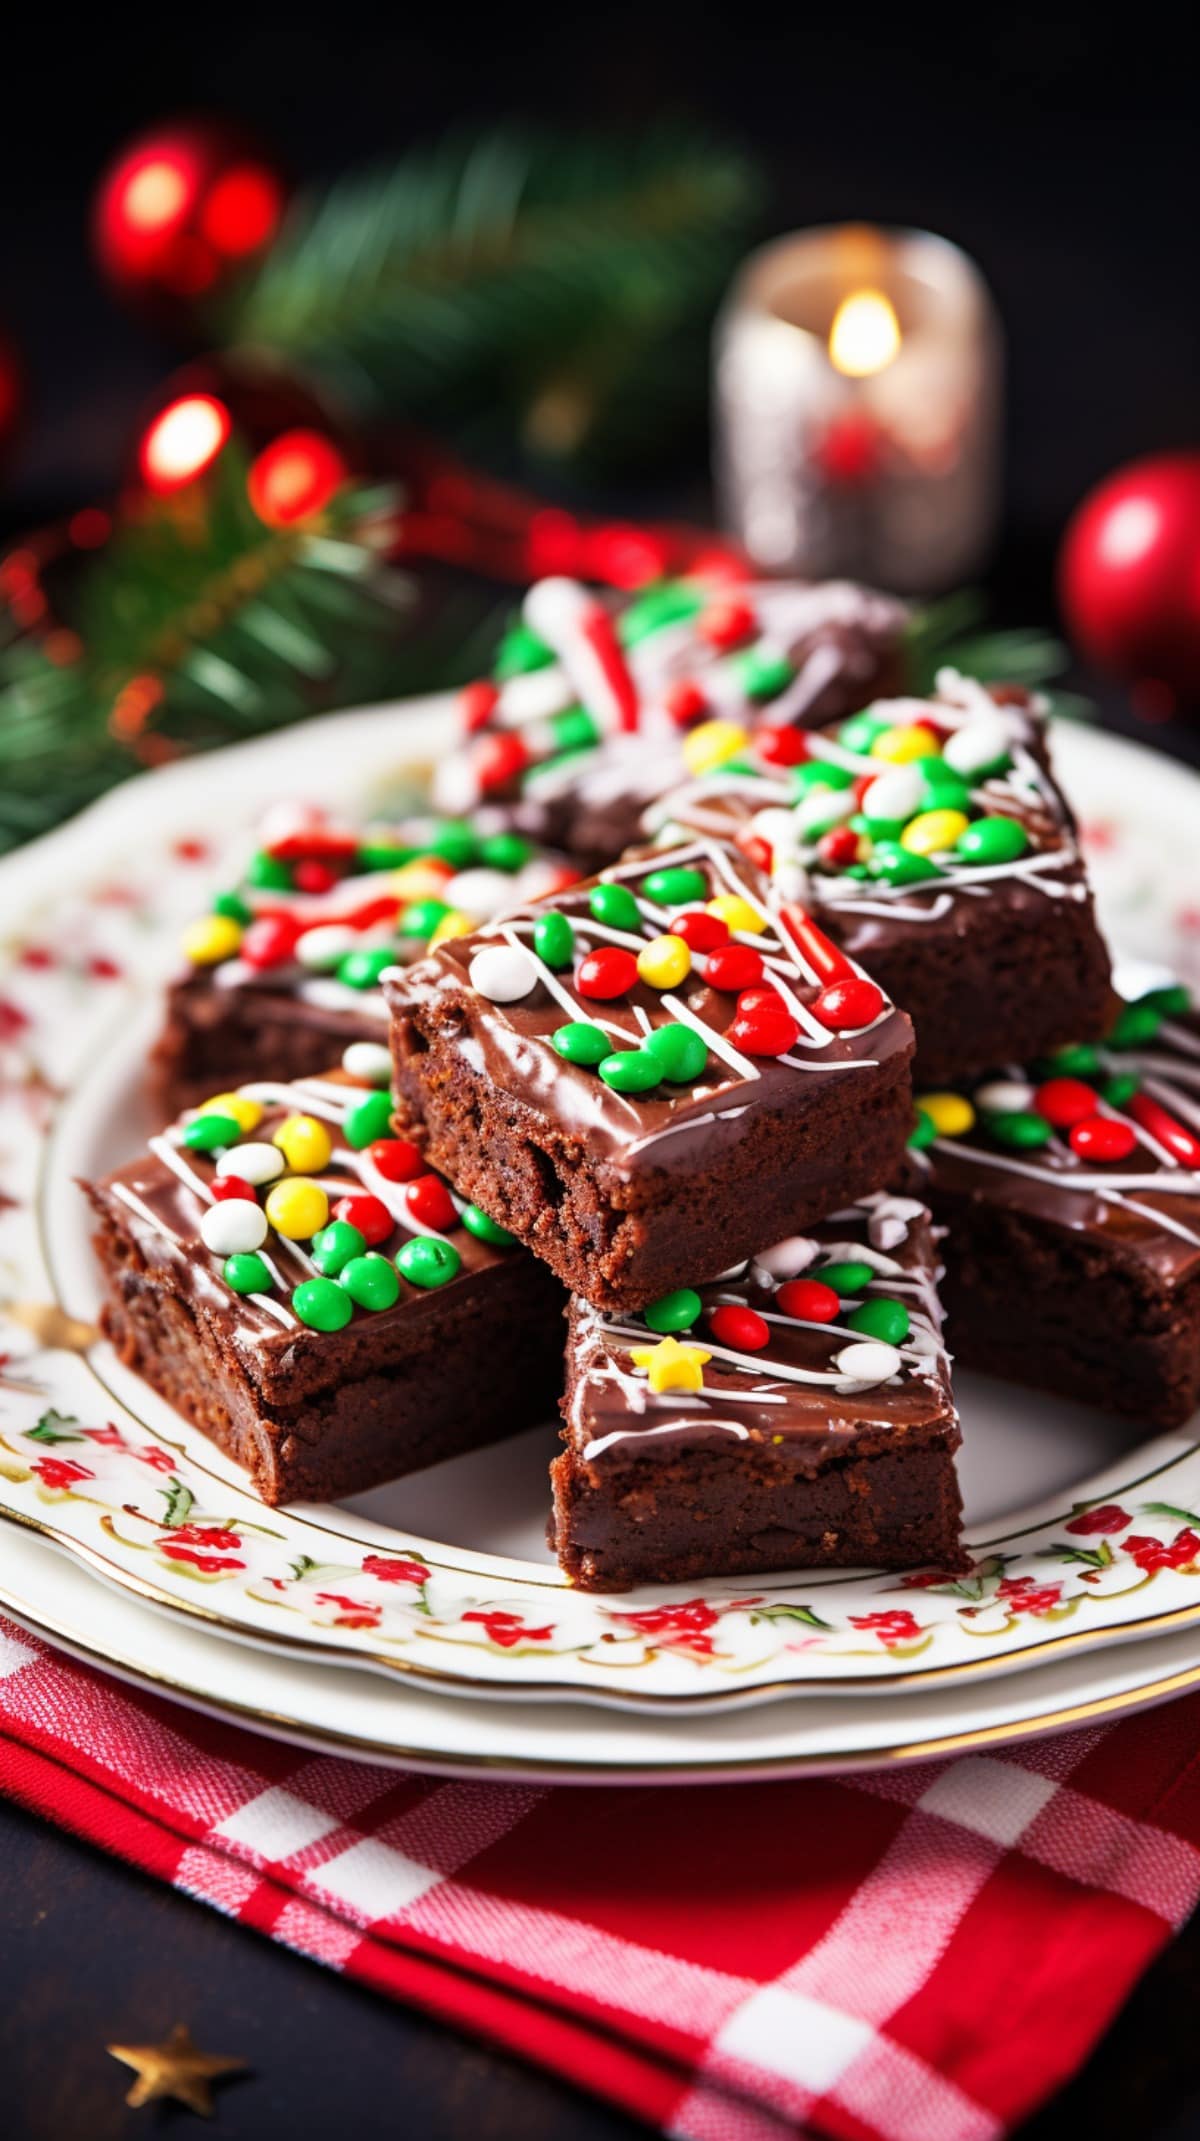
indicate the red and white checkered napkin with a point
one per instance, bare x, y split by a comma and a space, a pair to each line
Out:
921, 1954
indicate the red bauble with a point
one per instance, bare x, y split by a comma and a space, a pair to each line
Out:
181, 210
1129, 578
295, 477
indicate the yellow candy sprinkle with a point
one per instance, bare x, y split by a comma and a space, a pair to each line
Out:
671, 1366
950, 1113
934, 832
420, 880
665, 962
711, 744
455, 924
247, 1114
901, 745
297, 1209
217, 937
740, 916
305, 1143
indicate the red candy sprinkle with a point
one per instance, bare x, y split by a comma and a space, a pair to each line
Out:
500, 758
604, 974
269, 941
1163, 1128
223, 1186
764, 1026
734, 966
838, 846
701, 932
756, 849
1102, 1138
396, 1158
808, 1300
781, 746
1065, 1101
824, 958
685, 702
430, 1201
847, 1004
476, 704
314, 876
725, 624
742, 1328
369, 1215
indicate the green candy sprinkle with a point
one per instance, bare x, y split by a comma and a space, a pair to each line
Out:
421, 917
551, 768
1024, 1131
246, 1273
207, 1133
1137, 1025
428, 1262
673, 1312
1174, 1001
923, 1132
860, 731
679, 1052
848, 1278
581, 1042
858, 870
554, 940
383, 855
817, 773
574, 729
455, 842
631, 1070
477, 1223
992, 840
888, 1320
763, 675
520, 652
1120, 1088
1082, 1061
268, 874
507, 851
666, 602
372, 1281
615, 906
233, 907
323, 1305
334, 1246
675, 886
944, 788
361, 970
897, 866
372, 1118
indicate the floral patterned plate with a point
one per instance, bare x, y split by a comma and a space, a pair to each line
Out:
1080, 1535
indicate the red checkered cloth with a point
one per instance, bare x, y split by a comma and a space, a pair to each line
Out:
921, 1954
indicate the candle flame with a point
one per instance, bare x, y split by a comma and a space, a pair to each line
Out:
865, 335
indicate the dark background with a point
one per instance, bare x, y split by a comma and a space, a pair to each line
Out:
1060, 151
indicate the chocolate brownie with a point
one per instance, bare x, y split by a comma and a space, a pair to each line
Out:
283, 972
587, 717
796, 1412
296, 1283
1072, 1198
653, 1074
931, 841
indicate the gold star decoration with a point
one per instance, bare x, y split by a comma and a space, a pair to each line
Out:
175, 2069
671, 1366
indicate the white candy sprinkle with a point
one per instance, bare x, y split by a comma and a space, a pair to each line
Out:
896, 794
1002, 1095
777, 827
254, 1163
787, 1258
977, 744
502, 973
826, 807
233, 1227
320, 949
482, 893
368, 1060
869, 1361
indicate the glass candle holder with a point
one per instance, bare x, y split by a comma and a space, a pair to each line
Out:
859, 393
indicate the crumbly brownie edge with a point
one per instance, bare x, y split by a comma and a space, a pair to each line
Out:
216, 1038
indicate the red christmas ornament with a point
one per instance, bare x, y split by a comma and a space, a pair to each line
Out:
181, 210
295, 477
1129, 579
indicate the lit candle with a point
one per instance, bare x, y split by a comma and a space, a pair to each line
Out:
858, 408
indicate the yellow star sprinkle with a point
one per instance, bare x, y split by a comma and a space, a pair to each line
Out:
671, 1366
176, 2069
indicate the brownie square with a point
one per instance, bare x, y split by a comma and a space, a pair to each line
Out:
283, 973
1071, 1195
316, 1391
637, 1108
794, 1413
554, 743
934, 846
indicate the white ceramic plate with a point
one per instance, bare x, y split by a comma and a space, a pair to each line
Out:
443, 1577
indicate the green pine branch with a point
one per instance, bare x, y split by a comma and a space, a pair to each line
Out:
518, 283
